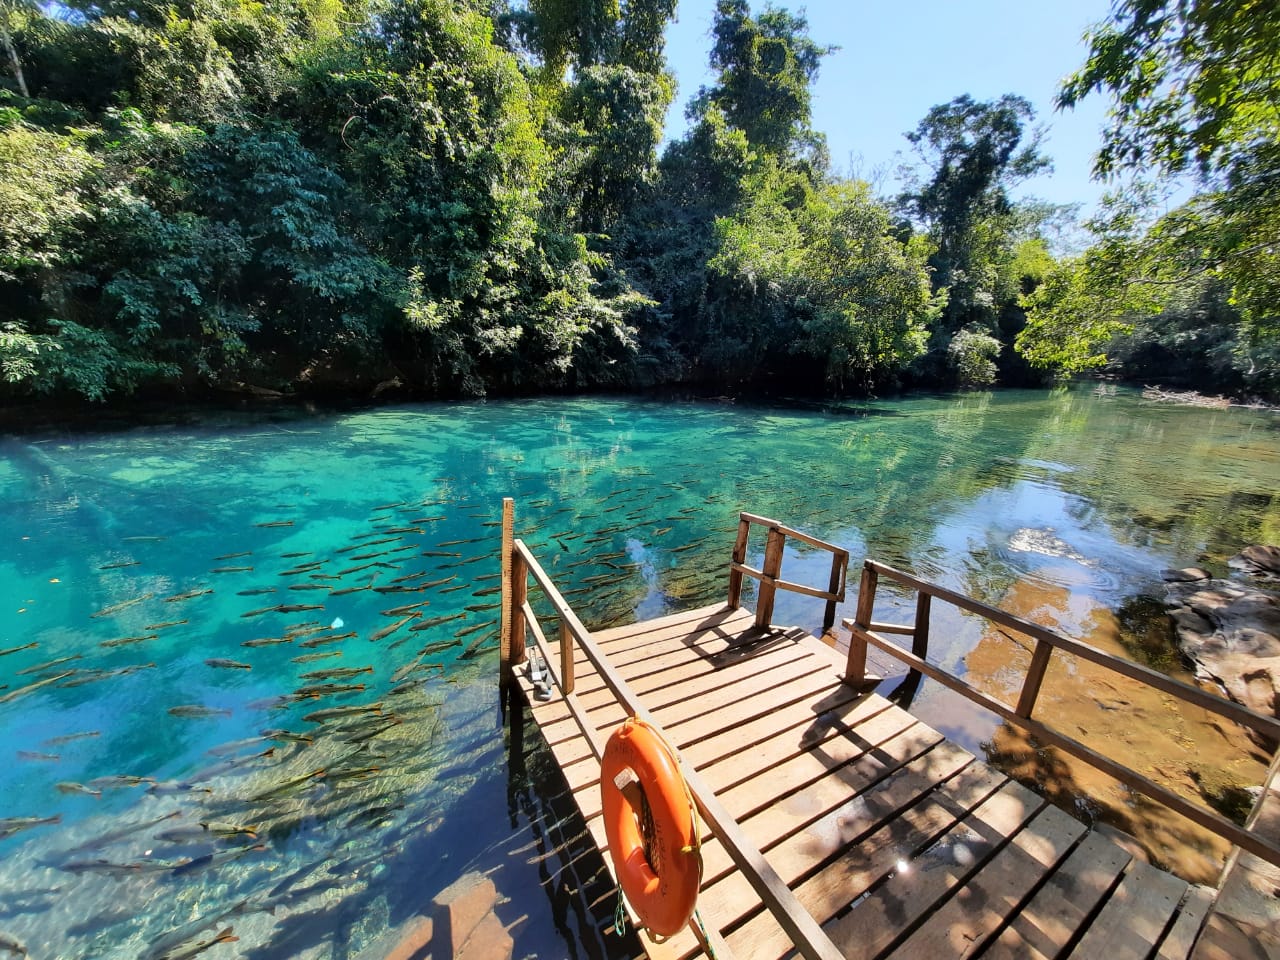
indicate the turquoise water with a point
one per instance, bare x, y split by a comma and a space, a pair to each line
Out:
342, 802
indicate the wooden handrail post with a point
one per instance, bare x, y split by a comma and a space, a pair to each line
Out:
920, 635
739, 556
504, 619
1035, 676
566, 658
856, 667
772, 569
839, 565
519, 596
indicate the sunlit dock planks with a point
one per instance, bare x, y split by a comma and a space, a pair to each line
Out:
897, 842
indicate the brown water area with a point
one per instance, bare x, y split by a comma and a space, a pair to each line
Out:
1180, 746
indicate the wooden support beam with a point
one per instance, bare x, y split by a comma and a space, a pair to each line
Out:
1035, 677
519, 597
773, 550
566, 658
855, 670
739, 557
504, 619
835, 587
920, 634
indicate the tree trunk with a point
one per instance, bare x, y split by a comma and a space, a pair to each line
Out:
7, 40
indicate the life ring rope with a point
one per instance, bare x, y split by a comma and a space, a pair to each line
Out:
655, 839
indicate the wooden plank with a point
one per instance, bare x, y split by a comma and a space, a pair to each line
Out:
778, 584
1182, 935
1134, 919
961, 926
873, 858
1061, 907
504, 617
773, 550
876, 920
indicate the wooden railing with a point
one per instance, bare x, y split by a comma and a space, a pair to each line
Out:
865, 630
770, 576
519, 620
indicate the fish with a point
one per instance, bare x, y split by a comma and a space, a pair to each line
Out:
118, 781
266, 641
284, 608
328, 689
351, 773
112, 836
223, 663
287, 736
461, 586
333, 713
311, 657
481, 607
439, 553
289, 786
196, 710
188, 595
391, 506
122, 605
330, 638
295, 555
374, 816
235, 556
187, 951
11, 825
454, 543
367, 543
399, 589
438, 647
408, 607
69, 786
68, 737
232, 570
345, 590
303, 568
220, 829
255, 592
33, 755
165, 625
436, 621
31, 687
275, 523
169, 787
308, 586
39, 667
428, 519
26, 646
486, 592
120, 565
467, 631
126, 641
336, 673
93, 676
388, 630
143, 539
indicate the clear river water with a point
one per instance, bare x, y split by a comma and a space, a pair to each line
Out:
248, 667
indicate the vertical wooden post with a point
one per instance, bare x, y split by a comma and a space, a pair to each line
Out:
1035, 676
920, 636
772, 570
519, 595
839, 565
739, 556
856, 668
504, 618
566, 658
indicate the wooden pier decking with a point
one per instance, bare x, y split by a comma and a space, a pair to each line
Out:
837, 824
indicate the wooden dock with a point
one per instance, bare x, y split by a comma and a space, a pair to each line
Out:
836, 824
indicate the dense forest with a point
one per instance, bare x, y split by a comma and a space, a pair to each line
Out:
454, 197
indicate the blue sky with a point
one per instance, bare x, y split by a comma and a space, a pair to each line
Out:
898, 59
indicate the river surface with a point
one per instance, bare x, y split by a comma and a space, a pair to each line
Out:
284, 627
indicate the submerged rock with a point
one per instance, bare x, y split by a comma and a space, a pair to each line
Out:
1261, 561
1231, 632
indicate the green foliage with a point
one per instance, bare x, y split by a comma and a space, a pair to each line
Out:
1191, 82
972, 352
820, 275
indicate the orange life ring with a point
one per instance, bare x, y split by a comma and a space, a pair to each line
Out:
663, 892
